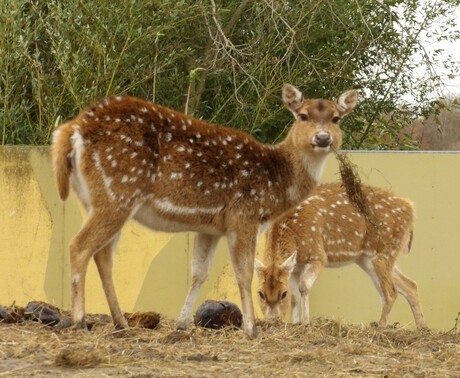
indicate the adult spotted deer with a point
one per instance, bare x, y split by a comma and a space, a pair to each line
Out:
325, 230
128, 158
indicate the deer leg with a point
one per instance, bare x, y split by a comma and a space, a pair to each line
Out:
309, 275
408, 289
294, 282
242, 246
380, 271
98, 230
203, 253
104, 263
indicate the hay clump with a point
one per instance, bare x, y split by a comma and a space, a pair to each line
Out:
79, 357
148, 320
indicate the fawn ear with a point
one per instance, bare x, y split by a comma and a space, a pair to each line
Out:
347, 102
290, 262
292, 98
258, 265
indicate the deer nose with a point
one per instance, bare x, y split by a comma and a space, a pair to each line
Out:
323, 140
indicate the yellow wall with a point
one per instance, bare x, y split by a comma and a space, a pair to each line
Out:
152, 269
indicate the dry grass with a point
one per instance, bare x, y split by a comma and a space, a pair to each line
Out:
325, 348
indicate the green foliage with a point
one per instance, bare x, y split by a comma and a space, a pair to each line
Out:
224, 61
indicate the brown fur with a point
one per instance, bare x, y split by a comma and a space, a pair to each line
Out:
126, 157
326, 230
61, 150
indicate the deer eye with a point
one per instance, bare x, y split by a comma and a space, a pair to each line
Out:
284, 294
336, 119
303, 117
261, 295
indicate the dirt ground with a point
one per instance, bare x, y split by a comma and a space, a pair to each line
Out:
324, 348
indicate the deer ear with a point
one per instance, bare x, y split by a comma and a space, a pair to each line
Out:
290, 262
292, 98
347, 102
258, 265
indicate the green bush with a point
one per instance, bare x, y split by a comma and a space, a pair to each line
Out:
222, 61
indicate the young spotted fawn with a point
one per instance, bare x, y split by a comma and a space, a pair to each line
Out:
325, 230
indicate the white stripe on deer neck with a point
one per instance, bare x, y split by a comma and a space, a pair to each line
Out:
315, 164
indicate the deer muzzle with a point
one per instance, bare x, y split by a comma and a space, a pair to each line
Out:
322, 139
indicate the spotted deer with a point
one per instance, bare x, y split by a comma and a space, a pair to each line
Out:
325, 230
127, 158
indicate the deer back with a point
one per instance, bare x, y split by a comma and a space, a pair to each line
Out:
125, 153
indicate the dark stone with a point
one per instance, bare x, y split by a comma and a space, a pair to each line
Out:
43, 313
11, 314
218, 314
64, 323
3, 313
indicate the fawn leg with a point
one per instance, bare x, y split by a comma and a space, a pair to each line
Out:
203, 253
309, 275
380, 271
408, 289
294, 283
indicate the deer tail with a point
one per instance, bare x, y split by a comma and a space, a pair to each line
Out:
61, 152
410, 231
409, 242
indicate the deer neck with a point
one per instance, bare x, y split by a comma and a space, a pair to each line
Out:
306, 170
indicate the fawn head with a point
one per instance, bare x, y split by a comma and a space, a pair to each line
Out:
316, 126
273, 292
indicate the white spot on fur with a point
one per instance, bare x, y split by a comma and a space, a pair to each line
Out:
176, 175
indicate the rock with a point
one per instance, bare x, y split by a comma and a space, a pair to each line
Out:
80, 356
42, 312
218, 314
3, 313
64, 323
11, 314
